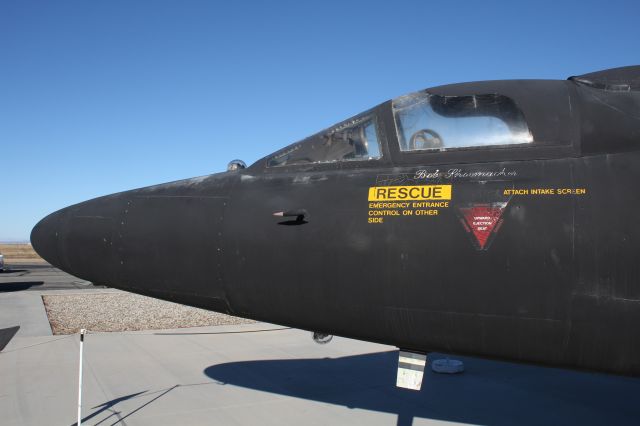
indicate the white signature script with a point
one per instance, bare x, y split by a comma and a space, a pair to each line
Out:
459, 173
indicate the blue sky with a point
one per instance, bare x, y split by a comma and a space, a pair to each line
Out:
102, 96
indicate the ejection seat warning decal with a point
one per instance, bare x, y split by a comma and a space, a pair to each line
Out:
413, 200
482, 222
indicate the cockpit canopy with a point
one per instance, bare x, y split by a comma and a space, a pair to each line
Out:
596, 112
424, 122
354, 139
432, 122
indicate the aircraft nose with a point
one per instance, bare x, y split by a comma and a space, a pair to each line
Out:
78, 239
46, 237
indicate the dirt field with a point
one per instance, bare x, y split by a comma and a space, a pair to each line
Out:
19, 253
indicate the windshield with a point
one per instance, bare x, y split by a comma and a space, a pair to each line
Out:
354, 139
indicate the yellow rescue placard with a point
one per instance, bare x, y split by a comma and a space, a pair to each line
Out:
417, 192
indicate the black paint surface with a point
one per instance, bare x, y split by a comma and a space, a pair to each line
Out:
558, 284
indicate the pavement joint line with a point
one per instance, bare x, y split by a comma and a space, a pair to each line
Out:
221, 332
37, 344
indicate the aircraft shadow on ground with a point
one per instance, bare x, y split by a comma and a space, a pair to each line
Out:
8, 287
489, 392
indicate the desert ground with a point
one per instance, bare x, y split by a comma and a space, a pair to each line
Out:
19, 253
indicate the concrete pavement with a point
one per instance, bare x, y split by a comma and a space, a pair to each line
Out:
235, 375
21, 290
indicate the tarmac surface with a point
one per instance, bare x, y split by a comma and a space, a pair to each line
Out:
268, 375
21, 289
39, 277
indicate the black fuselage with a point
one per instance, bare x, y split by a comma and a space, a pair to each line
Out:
527, 253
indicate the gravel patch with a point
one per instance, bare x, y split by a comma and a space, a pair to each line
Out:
125, 312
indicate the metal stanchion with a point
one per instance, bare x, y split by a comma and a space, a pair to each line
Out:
82, 332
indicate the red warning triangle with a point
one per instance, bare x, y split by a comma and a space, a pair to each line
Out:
482, 220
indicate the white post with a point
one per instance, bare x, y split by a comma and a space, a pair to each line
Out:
82, 332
